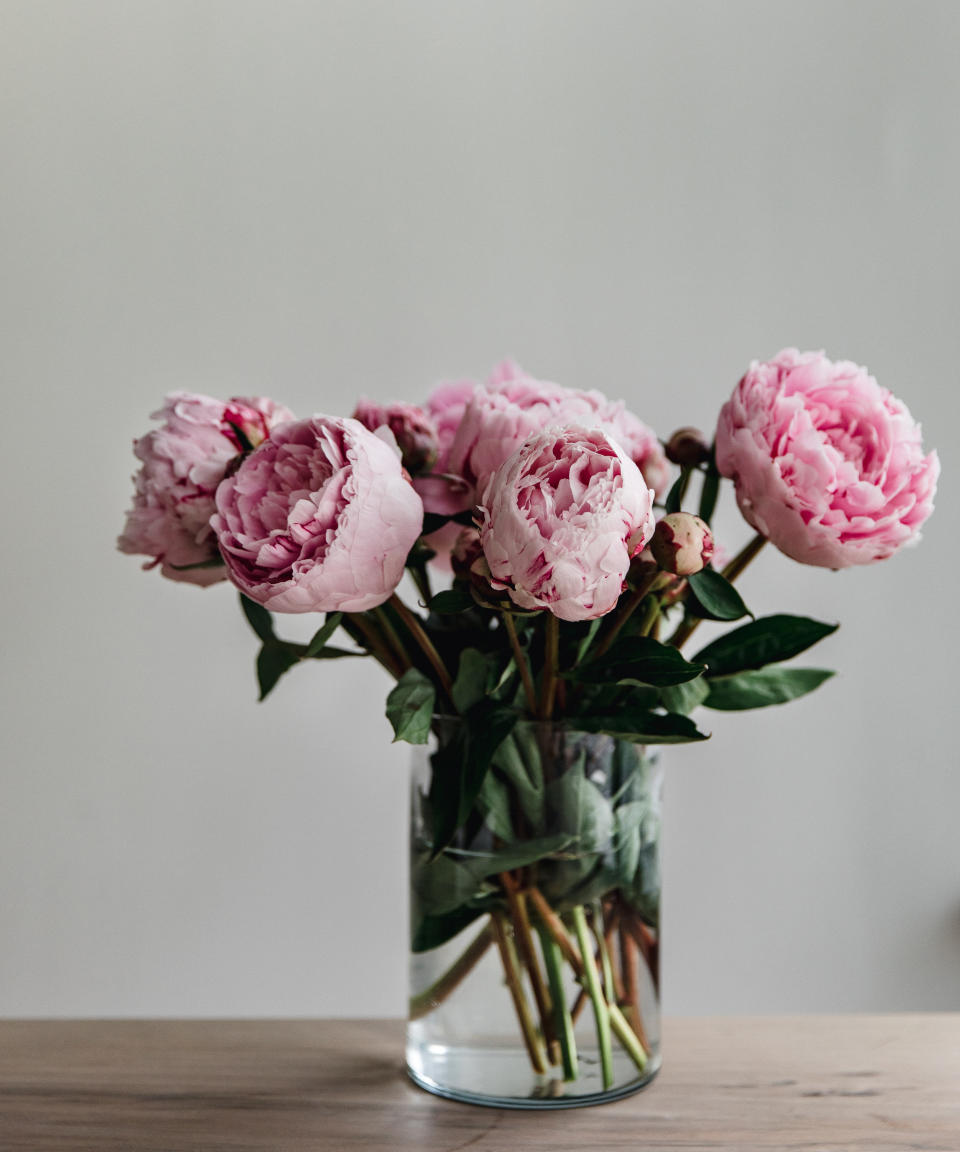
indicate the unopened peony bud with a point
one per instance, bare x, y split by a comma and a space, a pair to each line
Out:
413, 430
682, 543
466, 549
687, 447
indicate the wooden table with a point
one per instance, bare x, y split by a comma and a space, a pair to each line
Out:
867, 1083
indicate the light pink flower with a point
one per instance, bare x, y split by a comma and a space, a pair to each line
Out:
320, 518
182, 464
413, 431
443, 493
514, 405
826, 463
561, 519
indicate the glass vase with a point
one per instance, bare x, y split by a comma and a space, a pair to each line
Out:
535, 930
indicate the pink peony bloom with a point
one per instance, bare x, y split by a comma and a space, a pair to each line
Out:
413, 431
443, 493
561, 519
513, 406
319, 519
827, 464
183, 462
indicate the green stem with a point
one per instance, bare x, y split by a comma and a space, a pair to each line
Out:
360, 631
601, 1010
416, 630
606, 967
523, 937
649, 612
743, 558
689, 624
391, 638
521, 662
624, 611
618, 1022
627, 1037
425, 1002
563, 1022
685, 474
550, 660
421, 577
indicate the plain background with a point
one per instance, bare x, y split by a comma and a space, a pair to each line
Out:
318, 200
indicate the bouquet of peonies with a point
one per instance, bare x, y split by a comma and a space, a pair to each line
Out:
550, 663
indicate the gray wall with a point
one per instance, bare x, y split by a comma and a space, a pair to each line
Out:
314, 200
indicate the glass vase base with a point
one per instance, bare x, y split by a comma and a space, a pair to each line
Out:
502, 1078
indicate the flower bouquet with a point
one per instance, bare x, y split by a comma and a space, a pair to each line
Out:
577, 561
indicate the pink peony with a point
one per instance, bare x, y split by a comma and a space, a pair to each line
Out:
443, 493
183, 462
412, 429
561, 519
513, 406
826, 463
319, 519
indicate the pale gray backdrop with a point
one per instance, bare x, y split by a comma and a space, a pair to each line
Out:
316, 200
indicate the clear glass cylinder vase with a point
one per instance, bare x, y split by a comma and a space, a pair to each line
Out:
534, 978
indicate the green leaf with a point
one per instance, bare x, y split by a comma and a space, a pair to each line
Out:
323, 634
518, 761
455, 599
258, 618
766, 641
716, 598
330, 652
645, 727
410, 707
216, 562
763, 686
519, 855
683, 698
432, 931
675, 495
638, 659
274, 659
460, 766
582, 809
494, 803
442, 884
710, 490
476, 675
585, 643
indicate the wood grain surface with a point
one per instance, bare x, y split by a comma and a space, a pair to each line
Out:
857, 1083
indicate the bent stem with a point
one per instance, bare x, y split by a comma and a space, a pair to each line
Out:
425, 1002
601, 1010
689, 624
522, 666
625, 610
563, 1022
743, 558
359, 629
629, 959
618, 1022
417, 631
511, 969
528, 957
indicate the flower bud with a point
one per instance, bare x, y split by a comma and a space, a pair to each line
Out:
687, 447
413, 430
466, 549
682, 543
